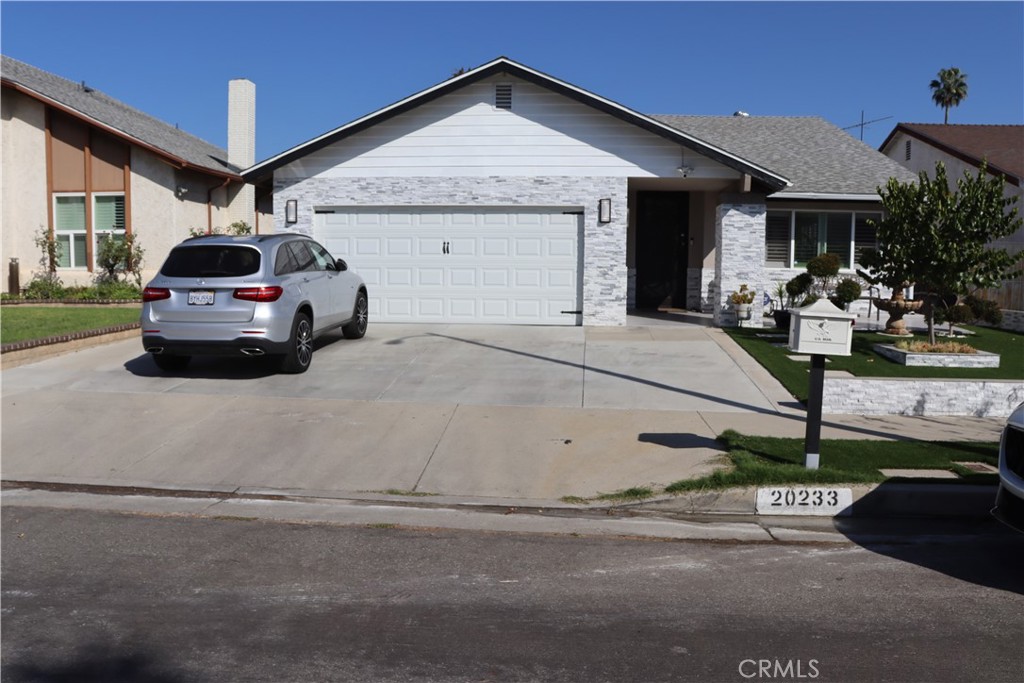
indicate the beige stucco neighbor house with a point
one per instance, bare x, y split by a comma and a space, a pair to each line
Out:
81, 164
505, 195
962, 149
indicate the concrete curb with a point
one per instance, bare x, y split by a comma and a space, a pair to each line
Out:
888, 500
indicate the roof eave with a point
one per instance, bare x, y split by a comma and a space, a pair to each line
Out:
71, 111
828, 196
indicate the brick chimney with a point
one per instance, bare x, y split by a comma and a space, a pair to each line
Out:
242, 145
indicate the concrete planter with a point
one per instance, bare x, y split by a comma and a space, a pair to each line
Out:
981, 359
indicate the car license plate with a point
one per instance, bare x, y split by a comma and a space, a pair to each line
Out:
782, 500
200, 297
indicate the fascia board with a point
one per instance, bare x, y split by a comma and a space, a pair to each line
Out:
827, 196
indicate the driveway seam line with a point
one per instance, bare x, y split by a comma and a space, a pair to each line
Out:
436, 446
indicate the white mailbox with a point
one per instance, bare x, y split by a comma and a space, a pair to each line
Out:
821, 329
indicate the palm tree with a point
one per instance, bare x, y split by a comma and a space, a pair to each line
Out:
949, 89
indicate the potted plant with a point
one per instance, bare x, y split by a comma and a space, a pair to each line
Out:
741, 300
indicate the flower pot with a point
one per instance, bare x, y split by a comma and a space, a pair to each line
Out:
742, 311
782, 319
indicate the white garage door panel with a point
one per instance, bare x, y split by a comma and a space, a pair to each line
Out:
502, 265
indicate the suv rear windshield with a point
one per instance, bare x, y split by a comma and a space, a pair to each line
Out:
211, 260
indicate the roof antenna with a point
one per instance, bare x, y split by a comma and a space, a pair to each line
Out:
864, 123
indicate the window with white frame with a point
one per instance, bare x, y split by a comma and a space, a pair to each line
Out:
71, 231
794, 237
107, 218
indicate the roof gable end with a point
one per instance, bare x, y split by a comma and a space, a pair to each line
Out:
1001, 146
503, 65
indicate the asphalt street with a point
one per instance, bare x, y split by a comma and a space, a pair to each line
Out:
114, 596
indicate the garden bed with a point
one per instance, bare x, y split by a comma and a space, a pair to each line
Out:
979, 359
869, 383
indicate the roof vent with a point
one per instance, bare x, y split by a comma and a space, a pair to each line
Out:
740, 113
503, 96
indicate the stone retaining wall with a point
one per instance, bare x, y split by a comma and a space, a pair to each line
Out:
867, 396
1012, 320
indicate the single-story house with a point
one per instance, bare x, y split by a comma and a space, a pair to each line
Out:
506, 195
962, 149
80, 164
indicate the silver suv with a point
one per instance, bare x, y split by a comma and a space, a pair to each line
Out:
249, 296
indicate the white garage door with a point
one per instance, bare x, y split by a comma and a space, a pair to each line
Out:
466, 265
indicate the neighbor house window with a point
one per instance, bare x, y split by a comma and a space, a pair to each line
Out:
792, 238
107, 218
72, 232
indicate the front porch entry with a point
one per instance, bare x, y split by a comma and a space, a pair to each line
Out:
662, 249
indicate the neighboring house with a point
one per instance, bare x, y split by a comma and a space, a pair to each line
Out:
505, 195
963, 148
81, 164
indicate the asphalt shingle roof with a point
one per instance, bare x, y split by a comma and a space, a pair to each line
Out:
119, 116
813, 154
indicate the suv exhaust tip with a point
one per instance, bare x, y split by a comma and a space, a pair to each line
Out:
253, 352
155, 350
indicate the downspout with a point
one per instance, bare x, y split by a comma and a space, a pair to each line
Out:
209, 204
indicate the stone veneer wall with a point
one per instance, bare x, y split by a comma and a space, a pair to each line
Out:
1012, 320
604, 244
739, 255
865, 396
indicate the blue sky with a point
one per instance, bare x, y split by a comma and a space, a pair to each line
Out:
318, 65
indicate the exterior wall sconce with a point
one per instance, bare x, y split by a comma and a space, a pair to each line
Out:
604, 210
291, 211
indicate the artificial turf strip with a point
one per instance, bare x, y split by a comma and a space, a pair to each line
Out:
772, 461
22, 323
865, 362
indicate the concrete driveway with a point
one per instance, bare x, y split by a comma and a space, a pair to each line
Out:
508, 412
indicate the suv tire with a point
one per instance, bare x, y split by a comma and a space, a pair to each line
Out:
300, 346
356, 328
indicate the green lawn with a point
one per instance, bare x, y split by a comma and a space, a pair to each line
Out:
864, 362
21, 323
770, 461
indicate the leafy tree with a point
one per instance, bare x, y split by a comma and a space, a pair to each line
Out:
117, 255
937, 238
949, 89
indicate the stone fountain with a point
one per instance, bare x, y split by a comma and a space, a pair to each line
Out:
897, 307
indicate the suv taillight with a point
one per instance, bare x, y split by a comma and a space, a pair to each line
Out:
155, 294
259, 293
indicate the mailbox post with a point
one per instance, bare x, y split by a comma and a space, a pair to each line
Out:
819, 329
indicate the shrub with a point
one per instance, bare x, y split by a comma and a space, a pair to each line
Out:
847, 291
118, 255
44, 287
799, 286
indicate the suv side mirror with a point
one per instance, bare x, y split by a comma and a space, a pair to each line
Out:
341, 265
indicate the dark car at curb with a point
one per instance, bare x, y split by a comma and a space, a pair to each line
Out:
1009, 507
258, 295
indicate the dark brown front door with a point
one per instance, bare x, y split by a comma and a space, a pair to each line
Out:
662, 241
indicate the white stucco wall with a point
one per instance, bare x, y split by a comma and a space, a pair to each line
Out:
23, 182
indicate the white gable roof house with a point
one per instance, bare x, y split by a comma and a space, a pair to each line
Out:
504, 195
